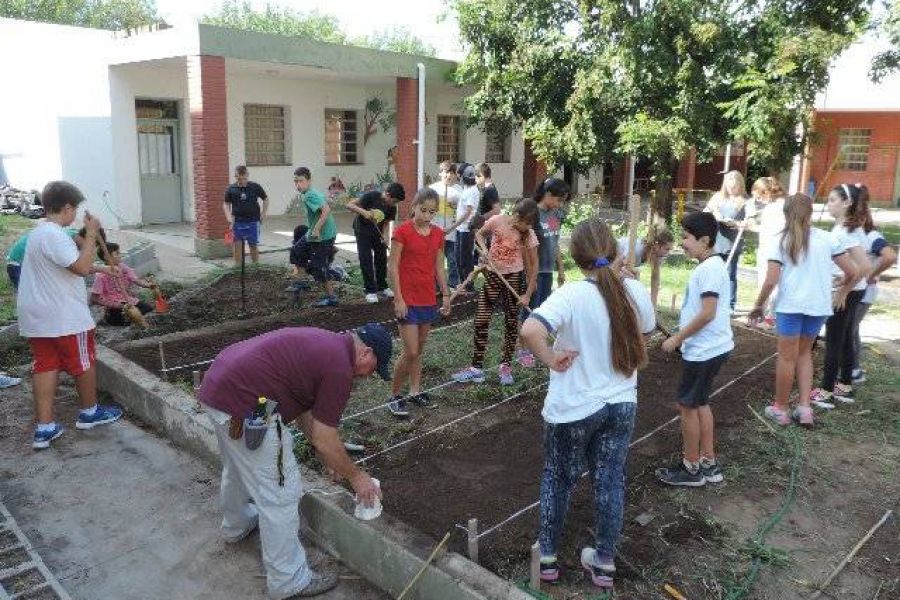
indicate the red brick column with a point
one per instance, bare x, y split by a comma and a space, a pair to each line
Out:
533, 171
405, 151
209, 140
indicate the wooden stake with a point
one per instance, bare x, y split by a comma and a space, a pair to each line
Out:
674, 301
673, 592
162, 362
425, 566
197, 381
852, 553
473, 540
535, 581
634, 211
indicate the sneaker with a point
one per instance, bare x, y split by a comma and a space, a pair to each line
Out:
372, 298
42, 439
711, 471
821, 398
803, 416
247, 531
422, 399
326, 301
844, 393
468, 375
600, 572
398, 408
7, 381
777, 415
549, 569
858, 376
101, 416
525, 358
319, 583
297, 287
387, 293
506, 377
680, 475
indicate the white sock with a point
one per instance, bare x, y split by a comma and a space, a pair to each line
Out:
89, 412
46, 427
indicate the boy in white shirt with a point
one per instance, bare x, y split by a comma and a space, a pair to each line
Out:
448, 199
54, 315
706, 341
465, 210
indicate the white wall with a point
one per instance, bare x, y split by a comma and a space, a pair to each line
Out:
146, 81
55, 109
849, 87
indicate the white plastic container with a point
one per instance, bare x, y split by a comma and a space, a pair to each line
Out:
367, 513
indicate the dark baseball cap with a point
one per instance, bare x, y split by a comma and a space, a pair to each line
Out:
376, 337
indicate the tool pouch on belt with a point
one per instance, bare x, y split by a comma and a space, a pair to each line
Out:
254, 433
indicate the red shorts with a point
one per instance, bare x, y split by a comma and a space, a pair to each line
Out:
73, 354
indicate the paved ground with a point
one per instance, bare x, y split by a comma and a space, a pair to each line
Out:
119, 513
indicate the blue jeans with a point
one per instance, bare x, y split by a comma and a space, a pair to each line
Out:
465, 254
597, 444
452, 269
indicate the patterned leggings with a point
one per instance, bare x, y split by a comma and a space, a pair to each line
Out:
495, 291
597, 444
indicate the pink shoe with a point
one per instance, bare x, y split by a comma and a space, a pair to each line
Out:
803, 415
525, 358
777, 415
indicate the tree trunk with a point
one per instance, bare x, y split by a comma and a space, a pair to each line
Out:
662, 201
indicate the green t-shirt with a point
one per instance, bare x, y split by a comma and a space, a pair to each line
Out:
314, 201
16, 252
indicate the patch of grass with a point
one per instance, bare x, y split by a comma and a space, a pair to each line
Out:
11, 227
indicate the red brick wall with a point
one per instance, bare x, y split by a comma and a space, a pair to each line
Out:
407, 130
880, 172
209, 139
533, 171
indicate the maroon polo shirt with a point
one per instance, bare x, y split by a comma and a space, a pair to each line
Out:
302, 368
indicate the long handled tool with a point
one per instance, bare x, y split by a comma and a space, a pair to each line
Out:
734, 245
493, 268
431, 558
634, 210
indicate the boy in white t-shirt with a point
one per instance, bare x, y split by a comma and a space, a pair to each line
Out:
54, 315
465, 210
706, 340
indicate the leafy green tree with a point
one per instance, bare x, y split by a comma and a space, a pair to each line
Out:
888, 61
274, 19
592, 80
100, 14
397, 39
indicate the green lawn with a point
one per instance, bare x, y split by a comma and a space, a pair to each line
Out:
11, 227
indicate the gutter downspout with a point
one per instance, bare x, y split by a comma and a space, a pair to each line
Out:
420, 135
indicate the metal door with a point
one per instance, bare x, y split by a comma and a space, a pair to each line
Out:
160, 168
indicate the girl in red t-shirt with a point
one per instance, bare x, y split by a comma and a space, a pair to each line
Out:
417, 261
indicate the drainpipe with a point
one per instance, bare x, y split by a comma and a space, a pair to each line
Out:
420, 136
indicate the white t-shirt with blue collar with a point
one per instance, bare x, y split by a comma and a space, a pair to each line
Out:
710, 278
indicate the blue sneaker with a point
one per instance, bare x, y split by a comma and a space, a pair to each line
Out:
42, 439
7, 381
326, 301
101, 416
468, 375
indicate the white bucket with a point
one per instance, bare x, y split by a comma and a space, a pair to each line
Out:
367, 513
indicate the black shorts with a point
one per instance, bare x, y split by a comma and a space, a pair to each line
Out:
697, 379
315, 257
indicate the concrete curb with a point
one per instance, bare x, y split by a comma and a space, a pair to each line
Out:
387, 552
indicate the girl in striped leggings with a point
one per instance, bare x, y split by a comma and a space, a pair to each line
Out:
512, 256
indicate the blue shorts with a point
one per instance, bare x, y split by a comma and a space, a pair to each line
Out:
420, 315
246, 230
798, 325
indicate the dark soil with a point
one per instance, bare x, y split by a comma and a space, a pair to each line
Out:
444, 480
345, 316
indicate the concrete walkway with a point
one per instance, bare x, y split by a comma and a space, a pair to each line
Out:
119, 513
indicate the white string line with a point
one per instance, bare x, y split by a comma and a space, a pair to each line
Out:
451, 423
521, 512
436, 329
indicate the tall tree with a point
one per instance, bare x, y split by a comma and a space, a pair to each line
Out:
587, 80
100, 14
274, 19
888, 62
396, 39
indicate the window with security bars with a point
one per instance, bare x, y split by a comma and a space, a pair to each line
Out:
341, 137
449, 138
265, 139
853, 148
497, 148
